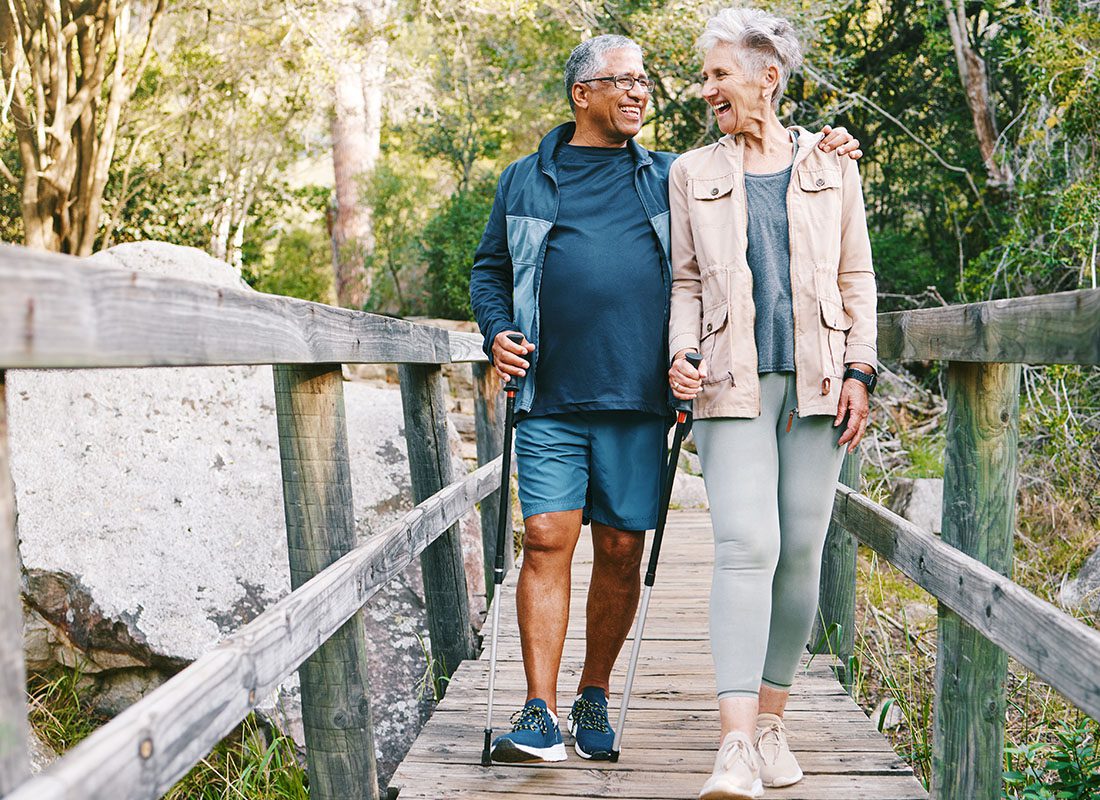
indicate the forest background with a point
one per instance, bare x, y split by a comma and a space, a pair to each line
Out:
347, 150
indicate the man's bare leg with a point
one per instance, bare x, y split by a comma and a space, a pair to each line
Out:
612, 600
542, 598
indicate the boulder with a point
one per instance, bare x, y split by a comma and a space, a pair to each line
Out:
42, 755
689, 491
887, 714
919, 500
151, 521
1083, 590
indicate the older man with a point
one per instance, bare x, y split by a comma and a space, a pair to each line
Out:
575, 257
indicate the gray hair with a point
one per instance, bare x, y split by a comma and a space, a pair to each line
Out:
586, 60
761, 40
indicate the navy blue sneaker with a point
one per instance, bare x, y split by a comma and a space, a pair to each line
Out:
589, 726
534, 737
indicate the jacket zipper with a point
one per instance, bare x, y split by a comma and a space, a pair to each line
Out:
790, 419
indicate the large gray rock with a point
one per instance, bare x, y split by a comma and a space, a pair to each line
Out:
1083, 591
919, 500
151, 521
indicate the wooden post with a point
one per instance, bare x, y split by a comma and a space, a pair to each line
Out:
452, 637
15, 765
835, 627
320, 528
979, 498
489, 416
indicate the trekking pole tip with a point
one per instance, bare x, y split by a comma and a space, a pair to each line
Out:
614, 757
486, 759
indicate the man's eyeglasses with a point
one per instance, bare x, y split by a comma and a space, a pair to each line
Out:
625, 82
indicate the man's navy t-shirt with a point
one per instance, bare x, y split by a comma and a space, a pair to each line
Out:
602, 298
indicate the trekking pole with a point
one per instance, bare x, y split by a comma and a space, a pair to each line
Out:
683, 413
504, 499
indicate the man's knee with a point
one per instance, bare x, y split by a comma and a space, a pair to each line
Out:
619, 548
549, 535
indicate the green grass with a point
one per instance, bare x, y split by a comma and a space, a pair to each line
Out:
252, 763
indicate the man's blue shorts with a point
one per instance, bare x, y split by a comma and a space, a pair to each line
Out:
608, 463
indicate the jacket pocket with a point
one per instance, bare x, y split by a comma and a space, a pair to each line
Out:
817, 180
710, 339
712, 201
835, 322
835, 326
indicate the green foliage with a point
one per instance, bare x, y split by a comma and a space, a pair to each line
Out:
246, 765
1067, 768
398, 194
253, 762
299, 266
58, 712
450, 239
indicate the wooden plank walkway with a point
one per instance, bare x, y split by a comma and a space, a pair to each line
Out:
672, 727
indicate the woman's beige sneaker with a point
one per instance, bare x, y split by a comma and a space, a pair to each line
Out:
777, 763
736, 773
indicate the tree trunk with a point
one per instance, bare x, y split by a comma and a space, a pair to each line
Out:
356, 140
975, 82
51, 51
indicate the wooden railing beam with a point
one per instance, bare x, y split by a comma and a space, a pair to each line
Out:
143, 751
320, 529
59, 311
15, 763
1062, 328
979, 514
445, 588
835, 627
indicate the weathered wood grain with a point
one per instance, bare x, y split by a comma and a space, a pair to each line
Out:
674, 711
979, 504
445, 591
835, 626
489, 412
15, 763
1061, 328
57, 311
152, 744
320, 529
467, 347
1059, 649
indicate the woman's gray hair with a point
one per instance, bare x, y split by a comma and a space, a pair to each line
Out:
586, 60
760, 39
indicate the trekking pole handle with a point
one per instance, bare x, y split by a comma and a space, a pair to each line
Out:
513, 382
695, 360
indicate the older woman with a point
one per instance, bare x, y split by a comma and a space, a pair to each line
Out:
773, 285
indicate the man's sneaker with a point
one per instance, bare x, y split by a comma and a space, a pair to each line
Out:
778, 766
736, 773
589, 726
534, 737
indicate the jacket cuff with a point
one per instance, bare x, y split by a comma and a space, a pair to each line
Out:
494, 330
861, 353
682, 341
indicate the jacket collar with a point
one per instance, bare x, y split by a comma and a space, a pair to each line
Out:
735, 144
564, 132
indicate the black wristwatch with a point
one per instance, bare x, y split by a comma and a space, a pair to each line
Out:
868, 379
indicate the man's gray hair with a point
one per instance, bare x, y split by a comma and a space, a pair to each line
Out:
760, 39
587, 59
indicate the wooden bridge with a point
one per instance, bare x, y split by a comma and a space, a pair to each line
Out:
56, 312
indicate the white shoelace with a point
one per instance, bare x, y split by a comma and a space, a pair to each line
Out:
774, 736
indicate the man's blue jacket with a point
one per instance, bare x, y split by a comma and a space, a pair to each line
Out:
507, 270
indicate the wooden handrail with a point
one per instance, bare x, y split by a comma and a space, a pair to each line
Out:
143, 751
57, 311
1059, 649
1062, 328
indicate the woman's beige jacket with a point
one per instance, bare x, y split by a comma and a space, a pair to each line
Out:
832, 279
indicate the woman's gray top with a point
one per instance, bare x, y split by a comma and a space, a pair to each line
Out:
769, 257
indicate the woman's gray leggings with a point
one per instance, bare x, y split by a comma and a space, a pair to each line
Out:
771, 492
